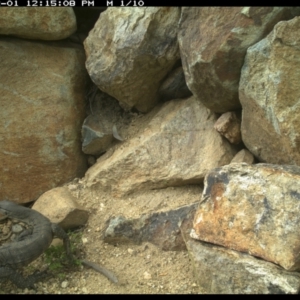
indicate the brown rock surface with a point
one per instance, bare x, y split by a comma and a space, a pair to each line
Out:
254, 209
41, 112
269, 93
243, 156
39, 23
229, 125
130, 51
213, 43
178, 146
60, 207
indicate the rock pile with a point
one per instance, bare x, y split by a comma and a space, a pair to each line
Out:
153, 98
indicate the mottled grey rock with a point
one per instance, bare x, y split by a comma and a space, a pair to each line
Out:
254, 209
222, 271
95, 138
270, 93
213, 42
162, 229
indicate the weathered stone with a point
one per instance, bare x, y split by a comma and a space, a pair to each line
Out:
130, 50
163, 229
270, 92
222, 271
96, 139
41, 112
213, 43
254, 209
59, 206
243, 156
39, 23
178, 146
229, 125
174, 86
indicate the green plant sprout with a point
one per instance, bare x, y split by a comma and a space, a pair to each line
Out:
56, 257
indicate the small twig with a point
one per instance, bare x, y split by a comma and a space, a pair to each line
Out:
101, 269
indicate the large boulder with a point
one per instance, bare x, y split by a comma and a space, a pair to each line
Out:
254, 209
39, 23
131, 50
270, 93
222, 271
178, 146
42, 109
213, 43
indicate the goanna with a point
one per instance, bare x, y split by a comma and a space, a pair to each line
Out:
30, 245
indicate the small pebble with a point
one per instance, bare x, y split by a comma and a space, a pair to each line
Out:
64, 284
130, 251
147, 275
72, 187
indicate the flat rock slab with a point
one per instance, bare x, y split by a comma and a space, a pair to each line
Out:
177, 146
162, 229
41, 113
269, 93
254, 209
39, 23
222, 271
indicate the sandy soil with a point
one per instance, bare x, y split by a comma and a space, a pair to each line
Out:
142, 269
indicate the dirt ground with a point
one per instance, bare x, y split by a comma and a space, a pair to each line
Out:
140, 269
